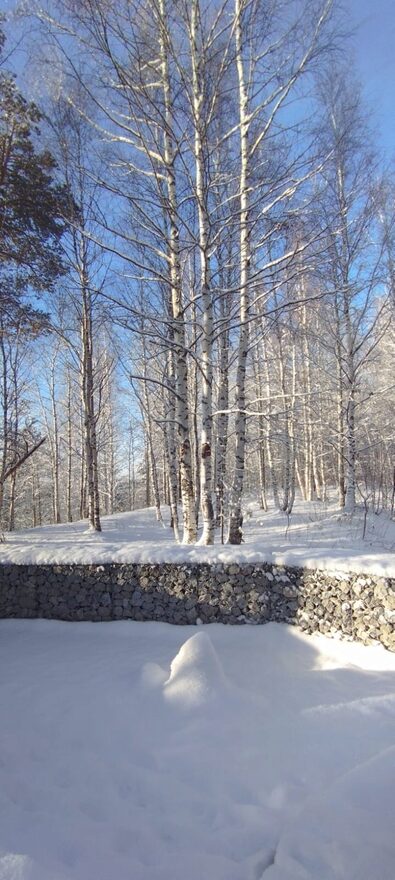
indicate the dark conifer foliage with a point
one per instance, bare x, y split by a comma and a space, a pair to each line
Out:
33, 207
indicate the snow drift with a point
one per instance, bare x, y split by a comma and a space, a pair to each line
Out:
196, 676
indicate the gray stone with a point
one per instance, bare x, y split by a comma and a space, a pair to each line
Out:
334, 603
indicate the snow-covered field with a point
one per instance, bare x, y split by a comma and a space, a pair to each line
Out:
138, 751
316, 536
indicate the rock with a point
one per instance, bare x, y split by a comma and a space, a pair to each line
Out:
356, 606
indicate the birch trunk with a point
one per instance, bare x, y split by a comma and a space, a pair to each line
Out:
194, 379
83, 511
131, 470
5, 431
149, 442
350, 500
147, 474
341, 483
36, 496
261, 434
171, 446
69, 451
181, 372
235, 535
286, 434
88, 403
206, 499
309, 482
153, 470
11, 509
55, 448
269, 437
222, 426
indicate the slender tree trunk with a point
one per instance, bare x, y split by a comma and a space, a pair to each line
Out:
181, 372
287, 442
154, 475
149, 443
235, 535
147, 474
88, 404
33, 499
5, 416
11, 511
222, 419
171, 446
292, 438
350, 500
206, 499
69, 451
269, 437
131, 471
55, 448
194, 378
82, 470
261, 433
309, 483
340, 413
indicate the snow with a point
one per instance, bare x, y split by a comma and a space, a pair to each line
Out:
351, 842
196, 677
316, 536
142, 751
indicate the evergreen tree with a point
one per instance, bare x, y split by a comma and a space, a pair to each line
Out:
33, 209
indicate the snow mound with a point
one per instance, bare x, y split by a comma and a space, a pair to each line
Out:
17, 866
196, 675
347, 832
152, 677
14, 867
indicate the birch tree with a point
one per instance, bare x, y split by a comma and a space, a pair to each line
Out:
353, 261
72, 142
259, 51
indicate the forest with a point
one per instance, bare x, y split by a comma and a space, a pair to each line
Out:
197, 265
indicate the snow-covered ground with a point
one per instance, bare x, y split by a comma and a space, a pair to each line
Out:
316, 536
139, 751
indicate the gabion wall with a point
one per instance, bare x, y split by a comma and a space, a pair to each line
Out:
354, 606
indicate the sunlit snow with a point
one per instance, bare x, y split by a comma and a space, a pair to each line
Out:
144, 751
316, 535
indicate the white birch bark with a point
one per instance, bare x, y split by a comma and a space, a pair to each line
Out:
261, 432
309, 482
269, 432
149, 433
206, 499
222, 422
69, 451
54, 445
181, 371
87, 398
171, 445
351, 455
235, 534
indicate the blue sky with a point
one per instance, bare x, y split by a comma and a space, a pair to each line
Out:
374, 44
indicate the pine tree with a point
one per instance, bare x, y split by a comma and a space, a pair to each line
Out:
33, 208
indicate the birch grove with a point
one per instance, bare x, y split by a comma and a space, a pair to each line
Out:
220, 316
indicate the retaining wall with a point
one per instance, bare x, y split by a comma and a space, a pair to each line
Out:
354, 606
